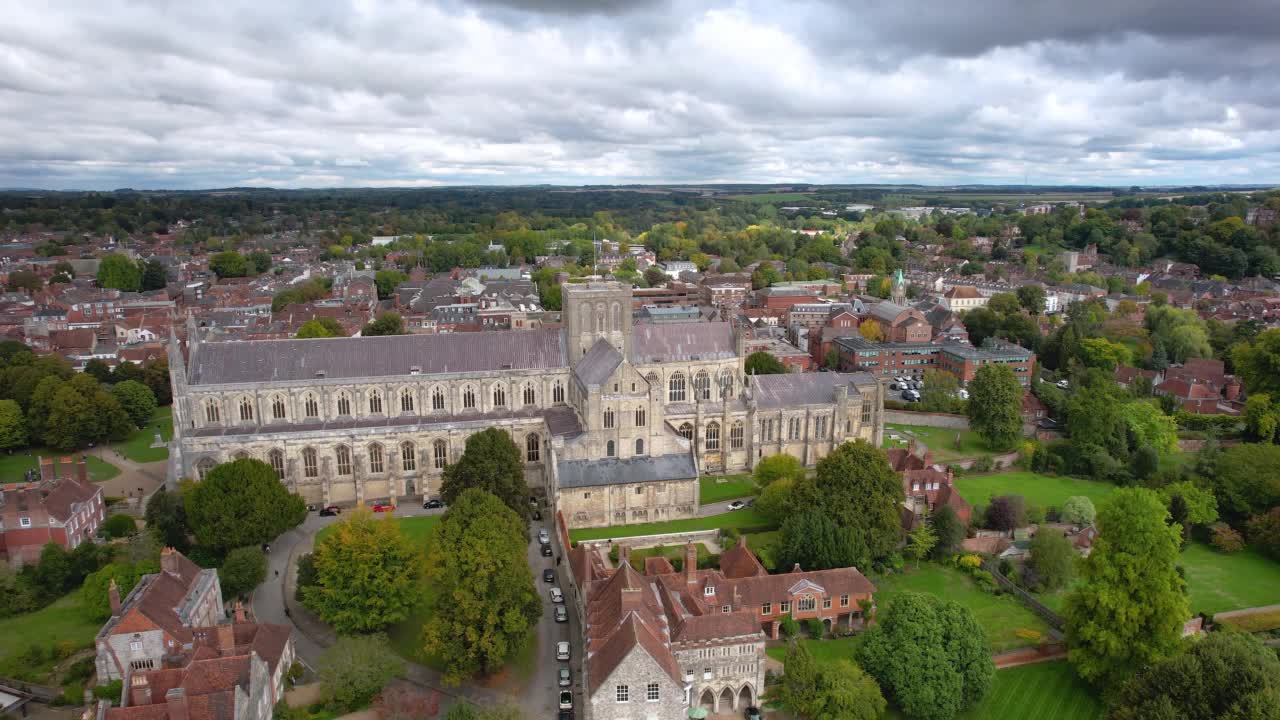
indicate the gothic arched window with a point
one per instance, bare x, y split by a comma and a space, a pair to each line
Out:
557, 393
499, 396
246, 409
277, 408
702, 386
344, 404
686, 431
713, 435
312, 407
676, 388
736, 436
408, 457
344, 460
532, 448
375, 402
310, 467
377, 462
276, 459
212, 412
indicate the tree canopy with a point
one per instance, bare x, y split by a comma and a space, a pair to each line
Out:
354, 669
241, 503
241, 571
119, 272
321, 327
366, 575
388, 323
776, 467
762, 363
995, 405
838, 689
492, 462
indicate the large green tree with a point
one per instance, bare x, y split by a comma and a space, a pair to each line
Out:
838, 689
1130, 606
241, 503
491, 461
762, 363
1258, 362
938, 392
1247, 479
137, 400
995, 406
321, 327
857, 492
355, 669
388, 323
776, 467
487, 606
242, 571
1223, 676
386, 281
366, 575
1053, 558
229, 263
1031, 298
929, 655
95, 597
13, 426
166, 519
119, 272
949, 530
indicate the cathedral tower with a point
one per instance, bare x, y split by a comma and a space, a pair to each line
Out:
593, 311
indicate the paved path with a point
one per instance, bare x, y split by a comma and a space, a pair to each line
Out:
718, 508
1029, 656
135, 479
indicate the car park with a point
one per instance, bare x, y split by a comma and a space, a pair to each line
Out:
562, 650
562, 615
566, 700
330, 511
566, 677
546, 551
557, 596
433, 504
549, 575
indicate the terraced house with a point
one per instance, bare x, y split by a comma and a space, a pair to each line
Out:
616, 419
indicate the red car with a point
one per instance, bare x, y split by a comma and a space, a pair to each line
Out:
384, 508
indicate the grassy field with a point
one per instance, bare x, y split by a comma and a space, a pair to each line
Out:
942, 441
718, 488
137, 447
1039, 490
1218, 582
59, 622
1000, 615
823, 651
747, 518
13, 467
1044, 691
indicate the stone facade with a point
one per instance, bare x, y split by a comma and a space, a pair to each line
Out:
650, 407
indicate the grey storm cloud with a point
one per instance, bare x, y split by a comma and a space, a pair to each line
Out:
402, 92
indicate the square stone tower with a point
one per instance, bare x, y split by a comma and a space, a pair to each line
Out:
593, 311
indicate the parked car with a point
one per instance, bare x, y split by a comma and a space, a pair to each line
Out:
379, 507
737, 505
557, 596
1062, 384
433, 504
562, 615
566, 677
566, 700
544, 537
752, 713
537, 514
894, 386
546, 551
916, 385
562, 650
565, 715
549, 575
330, 511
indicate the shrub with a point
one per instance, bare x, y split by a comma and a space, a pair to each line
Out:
982, 464
728, 537
789, 626
1035, 514
815, 628
1006, 567
968, 562
1225, 538
709, 562
109, 691
985, 580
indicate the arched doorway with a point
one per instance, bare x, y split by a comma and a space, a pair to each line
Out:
745, 697
727, 700
708, 700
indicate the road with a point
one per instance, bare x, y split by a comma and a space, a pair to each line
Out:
718, 508
541, 696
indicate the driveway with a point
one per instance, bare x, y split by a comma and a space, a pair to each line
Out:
540, 697
718, 508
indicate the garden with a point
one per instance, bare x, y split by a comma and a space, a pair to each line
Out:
1218, 581
13, 467
1044, 691
1042, 491
137, 447
745, 519
941, 441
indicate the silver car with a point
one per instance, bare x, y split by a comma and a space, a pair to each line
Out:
566, 677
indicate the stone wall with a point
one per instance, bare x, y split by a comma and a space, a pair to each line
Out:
711, 537
941, 420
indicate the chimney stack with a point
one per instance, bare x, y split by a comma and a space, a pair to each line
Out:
624, 555
690, 564
176, 700
796, 568
240, 613
113, 594
169, 561
139, 690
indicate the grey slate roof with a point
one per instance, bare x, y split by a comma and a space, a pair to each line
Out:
426, 422
886, 311
681, 341
598, 364
284, 360
790, 389
591, 473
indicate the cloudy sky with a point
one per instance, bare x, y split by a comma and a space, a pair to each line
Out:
323, 93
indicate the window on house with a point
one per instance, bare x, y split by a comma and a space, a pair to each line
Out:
784, 607
806, 603
437, 399
766, 609
639, 446
310, 468
640, 417
376, 461
24, 521
844, 601
468, 398
277, 408
725, 609
246, 409
557, 393
408, 457
135, 645
623, 694
709, 590
375, 402
440, 453
276, 457
311, 407
530, 397
532, 448
344, 460
713, 436
676, 388
736, 436
406, 400
826, 603
652, 693
608, 418
499, 397
586, 496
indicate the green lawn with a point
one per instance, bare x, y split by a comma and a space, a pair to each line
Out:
718, 488
59, 622
1040, 490
1000, 615
1219, 581
942, 441
746, 518
137, 447
13, 467
1044, 691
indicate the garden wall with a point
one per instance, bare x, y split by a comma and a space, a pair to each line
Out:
710, 537
940, 420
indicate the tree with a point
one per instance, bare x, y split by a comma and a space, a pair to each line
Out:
839, 689
118, 526
154, 276
1031, 298
24, 280
229, 263
241, 503
1148, 426
995, 406
1078, 510
242, 571
166, 519
858, 493
387, 281
776, 467
355, 669
762, 363
1199, 506
1247, 480
981, 323
1264, 531
321, 327
1053, 558
95, 594
487, 605
929, 655
920, 542
137, 400
259, 261
938, 392
813, 541
655, 277
1223, 676
1129, 608
388, 323
366, 575
99, 370
1004, 304
13, 426
119, 272
1258, 362
1261, 418
492, 462
1104, 354
948, 529
1007, 512
871, 330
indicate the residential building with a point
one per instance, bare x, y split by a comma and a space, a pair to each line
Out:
62, 506
963, 297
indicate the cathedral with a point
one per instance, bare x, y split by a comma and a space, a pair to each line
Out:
615, 420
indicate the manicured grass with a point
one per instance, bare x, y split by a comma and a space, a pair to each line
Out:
718, 488
137, 447
1044, 691
745, 518
1000, 615
824, 651
63, 621
942, 441
1040, 490
1218, 582
13, 467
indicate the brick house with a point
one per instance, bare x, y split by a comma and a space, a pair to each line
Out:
158, 618
891, 359
926, 488
63, 507
900, 323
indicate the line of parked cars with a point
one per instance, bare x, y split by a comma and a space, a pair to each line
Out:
565, 675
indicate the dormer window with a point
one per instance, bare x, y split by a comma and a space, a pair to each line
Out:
709, 590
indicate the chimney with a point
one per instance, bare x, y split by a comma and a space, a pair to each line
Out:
226, 638
240, 613
176, 700
951, 475
139, 690
82, 470
113, 593
911, 446
169, 561
690, 564
796, 568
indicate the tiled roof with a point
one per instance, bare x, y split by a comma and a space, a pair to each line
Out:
791, 389
682, 341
